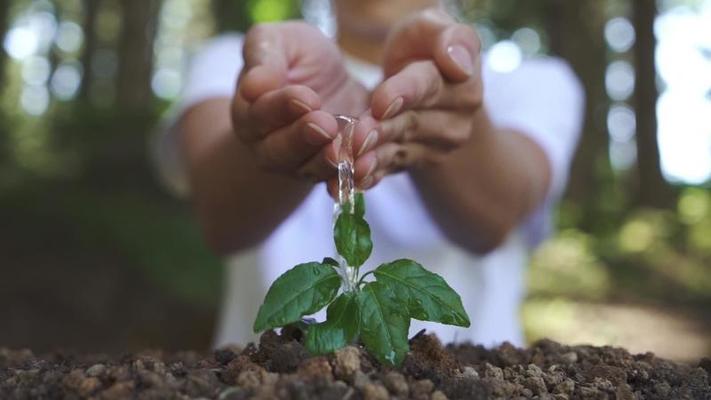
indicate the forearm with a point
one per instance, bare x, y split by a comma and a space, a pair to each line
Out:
485, 188
237, 203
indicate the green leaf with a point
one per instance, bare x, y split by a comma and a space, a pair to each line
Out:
359, 209
352, 236
330, 261
300, 291
383, 326
427, 295
340, 328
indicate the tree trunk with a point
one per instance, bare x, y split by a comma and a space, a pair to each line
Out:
654, 191
4, 24
91, 9
576, 30
139, 18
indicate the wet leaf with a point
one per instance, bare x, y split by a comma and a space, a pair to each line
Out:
340, 328
352, 236
330, 261
300, 291
383, 326
427, 295
359, 209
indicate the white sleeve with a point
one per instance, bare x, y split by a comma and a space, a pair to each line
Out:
544, 100
212, 73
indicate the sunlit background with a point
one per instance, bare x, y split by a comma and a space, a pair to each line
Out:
83, 84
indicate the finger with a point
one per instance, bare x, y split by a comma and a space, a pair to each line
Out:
265, 45
365, 135
239, 110
442, 130
279, 108
364, 168
287, 148
259, 80
363, 175
432, 34
418, 85
323, 166
393, 157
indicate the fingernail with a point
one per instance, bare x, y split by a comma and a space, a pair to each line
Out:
462, 58
372, 169
300, 106
365, 183
370, 140
331, 162
319, 131
393, 108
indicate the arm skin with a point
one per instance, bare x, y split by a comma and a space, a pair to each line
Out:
253, 158
238, 204
477, 181
477, 195
482, 190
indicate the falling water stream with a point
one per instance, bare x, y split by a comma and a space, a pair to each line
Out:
346, 190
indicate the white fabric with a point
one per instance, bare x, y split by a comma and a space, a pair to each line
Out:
541, 99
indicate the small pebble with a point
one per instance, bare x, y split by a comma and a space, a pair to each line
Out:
396, 383
566, 387
438, 395
470, 372
347, 362
374, 391
570, 357
360, 380
493, 372
421, 389
96, 370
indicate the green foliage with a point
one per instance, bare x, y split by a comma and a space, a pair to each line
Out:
341, 327
372, 311
427, 295
300, 291
384, 325
352, 237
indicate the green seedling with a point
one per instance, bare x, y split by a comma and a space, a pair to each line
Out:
376, 312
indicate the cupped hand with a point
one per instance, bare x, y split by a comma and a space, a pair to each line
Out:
428, 103
292, 84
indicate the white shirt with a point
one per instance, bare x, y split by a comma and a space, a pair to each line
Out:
542, 99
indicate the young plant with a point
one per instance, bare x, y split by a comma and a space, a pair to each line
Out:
377, 312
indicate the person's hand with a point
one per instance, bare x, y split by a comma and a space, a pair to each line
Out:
431, 95
292, 83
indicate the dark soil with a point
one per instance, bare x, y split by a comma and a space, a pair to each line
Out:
281, 369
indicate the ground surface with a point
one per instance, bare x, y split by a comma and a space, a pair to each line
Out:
281, 369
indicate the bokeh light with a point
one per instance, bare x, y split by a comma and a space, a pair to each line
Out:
621, 123
505, 56
66, 80
619, 80
34, 99
619, 34
35, 70
528, 40
21, 42
166, 83
69, 37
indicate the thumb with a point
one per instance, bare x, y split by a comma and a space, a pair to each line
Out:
265, 61
433, 34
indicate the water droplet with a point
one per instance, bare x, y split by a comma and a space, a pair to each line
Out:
390, 356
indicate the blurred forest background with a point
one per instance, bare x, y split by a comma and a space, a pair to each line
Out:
96, 255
